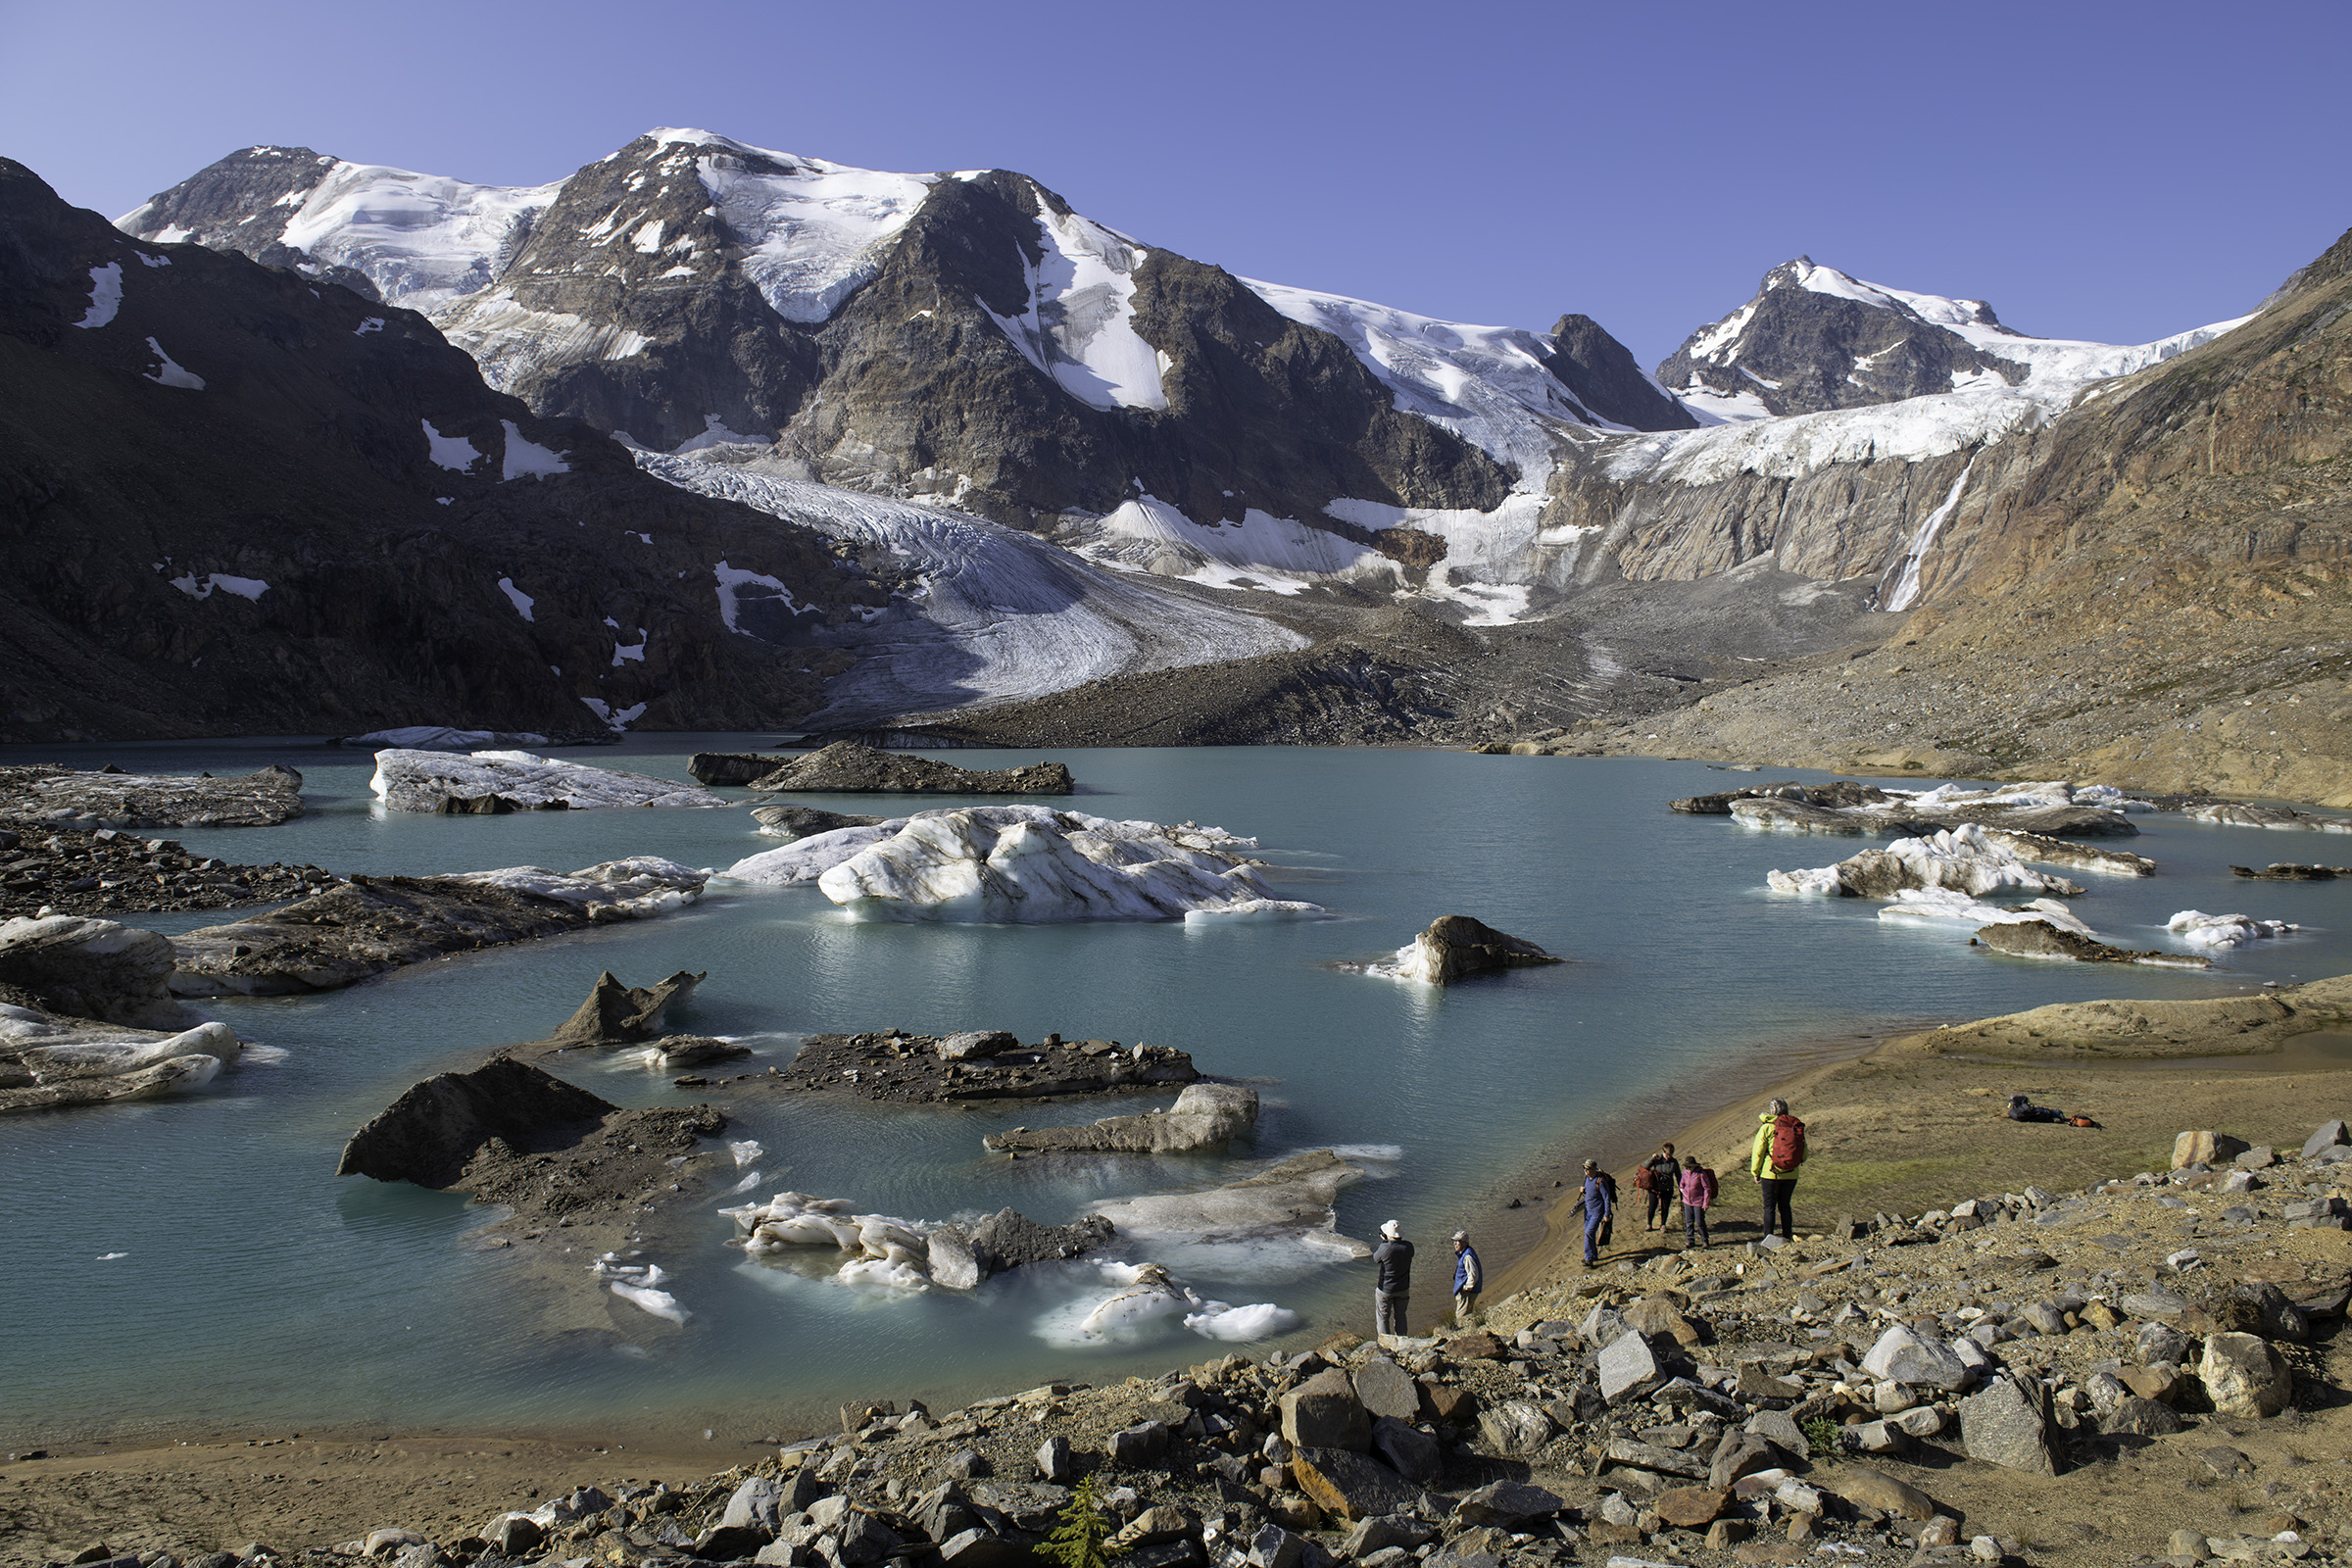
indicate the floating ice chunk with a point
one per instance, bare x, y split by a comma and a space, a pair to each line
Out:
428, 781
106, 295
1942, 904
806, 860
109, 1257
1257, 909
637, 888
1817, 879
440, 738
2108, 797
636, 1284
1965, 859
172, 373
112, 1058
2201, 930
1240, 1325
883, 1273
448, 451
1026, 864
745, 1151
527, 457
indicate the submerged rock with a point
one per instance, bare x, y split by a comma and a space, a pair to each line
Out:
1205, 1116
1455, 946
695, 1051
493, 783
372, 924
53, 795
729, 768
2040, 939
897, 1066
847, 767
2282, 871
89, 968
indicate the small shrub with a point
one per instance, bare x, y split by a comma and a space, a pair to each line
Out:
1076, 1540
1824, 1436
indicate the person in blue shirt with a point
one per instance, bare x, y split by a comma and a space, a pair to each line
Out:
1469, 1277
1599, 1210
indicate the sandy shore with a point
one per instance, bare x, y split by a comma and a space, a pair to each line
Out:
1917, 1119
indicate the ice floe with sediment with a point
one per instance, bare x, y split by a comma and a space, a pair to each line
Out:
2201, 930
1144, 1297
1030, 864
490, 782
1274, 1223
637, 888
1963, 860
1942, 904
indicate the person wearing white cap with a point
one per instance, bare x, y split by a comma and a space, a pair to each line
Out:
1468, 1277
1393, 1258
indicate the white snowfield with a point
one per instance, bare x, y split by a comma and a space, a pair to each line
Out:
992, 614
430, 781
1024, 865
637, 888
1080, 324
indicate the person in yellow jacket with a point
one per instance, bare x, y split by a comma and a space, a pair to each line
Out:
1778, 1151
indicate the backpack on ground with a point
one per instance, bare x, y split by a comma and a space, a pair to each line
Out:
1788, 1143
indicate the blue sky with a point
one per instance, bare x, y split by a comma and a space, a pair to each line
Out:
2116, 172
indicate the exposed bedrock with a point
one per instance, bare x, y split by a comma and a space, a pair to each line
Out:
847, 767
372, 924
93, 969
1455, 947
62, 797
1205, 1116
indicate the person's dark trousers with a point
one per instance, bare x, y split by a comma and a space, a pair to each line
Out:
1592, 1223
1694, 1227
1661, 1209
1387, 1312
1777, 1198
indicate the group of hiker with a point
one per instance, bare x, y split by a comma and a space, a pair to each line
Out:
1773, 1159
1664, 1180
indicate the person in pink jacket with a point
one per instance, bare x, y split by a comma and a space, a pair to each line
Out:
1698, 1195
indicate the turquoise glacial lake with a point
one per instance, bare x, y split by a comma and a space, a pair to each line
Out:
194, 1264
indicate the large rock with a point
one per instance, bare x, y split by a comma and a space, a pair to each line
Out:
1387, 1388
1324, 1412
1627, 1368
1690, 1507
2328, 1136
94, 969
2244, 1376
1875, 1489
1205, 1116
65, 798
370, 924
430, 1133
1902, 1357
2040, 939
729, 768
2133, 1416
1409, 1451
2206, 1148
1515, 1428
1509, 1505
2007, 1423
494, 783
847, 767
1349, 1486
1455, 946
1011, 1240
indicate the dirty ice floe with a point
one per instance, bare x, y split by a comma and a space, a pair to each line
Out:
636, 888
1024, 864
1144, 1297
106, 295
441, 738
1277, 1222
424, 781
1942, 904
1963, 860
2201, 930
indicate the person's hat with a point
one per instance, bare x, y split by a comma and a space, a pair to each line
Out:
1461, 1235
1390, 1229
1591, 1164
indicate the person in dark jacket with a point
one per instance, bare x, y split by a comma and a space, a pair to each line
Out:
1469, 1278
1665, 1178
1392, 1280
1599, 1208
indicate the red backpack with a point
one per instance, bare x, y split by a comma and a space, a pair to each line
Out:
1788, 1143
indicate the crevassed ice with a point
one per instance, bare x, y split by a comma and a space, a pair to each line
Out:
422, 240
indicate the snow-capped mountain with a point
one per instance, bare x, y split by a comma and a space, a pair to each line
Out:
1814, 338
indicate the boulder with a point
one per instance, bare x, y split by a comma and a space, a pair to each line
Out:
973, 1044
2244, 1376
2330, 1136
1515, 1428
847, 767
93, 969
1347, 1484
1387, 1531
1628, 1369
1874, 1489
1455, 946
1508, 1505
1903, 1357
1690, 1507
1054, 1460
1142, 1446
1205, 1116
754, 1503
2040, 939
1324, 1412
1386, 1389
2007, 1423
1407, 1450
2206, 1149
1655, 1319
2133, 1416
2160, 1343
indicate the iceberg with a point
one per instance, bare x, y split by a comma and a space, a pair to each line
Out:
1963, 860
2201, 930
1942, 904
1027, 865
492, 783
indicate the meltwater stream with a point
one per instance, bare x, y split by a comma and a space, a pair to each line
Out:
194, 1263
